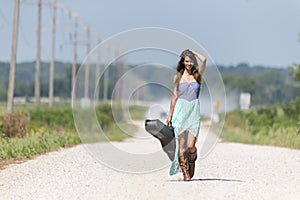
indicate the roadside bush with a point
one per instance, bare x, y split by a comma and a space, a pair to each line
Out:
14, 125
105, 115
278, 124
49, 129
53, 118
235, 119
298, 125
257, 122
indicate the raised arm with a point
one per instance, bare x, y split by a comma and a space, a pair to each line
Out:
203, 62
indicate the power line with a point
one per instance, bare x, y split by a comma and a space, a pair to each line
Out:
74, 38
24, 37
4, 18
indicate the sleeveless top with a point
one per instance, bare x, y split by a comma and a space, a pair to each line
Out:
188, 90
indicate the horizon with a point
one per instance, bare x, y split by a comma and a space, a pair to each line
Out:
137, 64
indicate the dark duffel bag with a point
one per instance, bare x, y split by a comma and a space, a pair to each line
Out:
164, 133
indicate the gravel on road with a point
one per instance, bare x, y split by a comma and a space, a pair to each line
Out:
230, 171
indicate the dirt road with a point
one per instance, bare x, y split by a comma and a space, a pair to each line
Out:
230, 171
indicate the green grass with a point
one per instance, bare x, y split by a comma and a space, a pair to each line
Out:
241, 127
286, 137
34, 144
116, 134
51, 129
137, 112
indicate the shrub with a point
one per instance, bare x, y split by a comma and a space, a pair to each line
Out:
14, 125
105, 115
57, 118
298, 125
277, 124
235, 119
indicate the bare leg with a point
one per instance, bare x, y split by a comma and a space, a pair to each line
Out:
182, 138
191, 143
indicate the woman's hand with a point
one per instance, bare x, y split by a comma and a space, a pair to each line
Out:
203, 61
200, 56
169, 121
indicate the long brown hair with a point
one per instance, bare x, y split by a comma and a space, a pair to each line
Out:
180, 67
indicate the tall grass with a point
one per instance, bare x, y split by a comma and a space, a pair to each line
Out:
270, 125
50, 129
137, 112
36, 143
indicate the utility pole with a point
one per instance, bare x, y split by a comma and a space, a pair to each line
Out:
118, 72
52, 64
123, 71
97, 74
87, 65
74, 57
38, 56
11, 83
106, 74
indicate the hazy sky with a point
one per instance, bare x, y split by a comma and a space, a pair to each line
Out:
232, 31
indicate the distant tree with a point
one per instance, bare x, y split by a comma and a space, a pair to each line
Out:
3, 94
241, 83
296, 75
295, 71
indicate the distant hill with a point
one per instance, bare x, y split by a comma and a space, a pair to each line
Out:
265, 84
25, 72
243, 69
25, 77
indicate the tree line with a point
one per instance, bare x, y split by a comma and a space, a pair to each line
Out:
267, 85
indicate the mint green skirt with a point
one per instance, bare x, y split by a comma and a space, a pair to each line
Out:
186, 117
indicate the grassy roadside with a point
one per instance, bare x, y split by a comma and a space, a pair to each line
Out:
264, 126
51, 129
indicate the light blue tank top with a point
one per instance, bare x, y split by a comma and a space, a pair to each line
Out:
188, 90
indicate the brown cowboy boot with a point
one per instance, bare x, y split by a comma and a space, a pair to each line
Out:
184, 167
191, 161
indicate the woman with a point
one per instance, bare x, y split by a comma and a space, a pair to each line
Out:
184, 113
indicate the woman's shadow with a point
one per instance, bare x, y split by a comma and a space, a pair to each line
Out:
216, 179
212, 179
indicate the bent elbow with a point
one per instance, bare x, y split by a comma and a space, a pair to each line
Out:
174, 97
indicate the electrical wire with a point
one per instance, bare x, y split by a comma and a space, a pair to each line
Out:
4, 18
